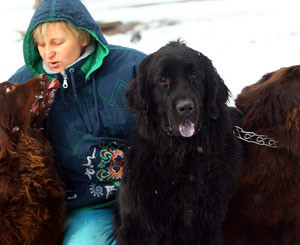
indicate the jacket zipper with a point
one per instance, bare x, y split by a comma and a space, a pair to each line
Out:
65, 82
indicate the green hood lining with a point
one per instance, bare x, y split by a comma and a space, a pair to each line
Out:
109, 204
34, 62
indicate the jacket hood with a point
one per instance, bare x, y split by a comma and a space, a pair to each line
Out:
74, 12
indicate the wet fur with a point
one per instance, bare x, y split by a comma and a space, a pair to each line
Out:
31, 195
266, 208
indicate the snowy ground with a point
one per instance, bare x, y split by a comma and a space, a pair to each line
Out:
244, 38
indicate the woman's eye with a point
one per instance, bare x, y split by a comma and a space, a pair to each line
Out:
58, 43
41, 45
194, 77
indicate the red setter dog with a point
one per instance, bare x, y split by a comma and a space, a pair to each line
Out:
31, 195
266, 207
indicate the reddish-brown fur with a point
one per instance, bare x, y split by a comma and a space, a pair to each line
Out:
31, 195
266, 207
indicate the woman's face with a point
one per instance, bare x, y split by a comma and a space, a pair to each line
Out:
59, 48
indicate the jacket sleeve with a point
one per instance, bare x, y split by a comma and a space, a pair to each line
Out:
21, 75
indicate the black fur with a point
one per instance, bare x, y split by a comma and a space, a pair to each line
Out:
175, 189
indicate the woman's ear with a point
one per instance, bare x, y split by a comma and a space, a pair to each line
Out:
86, 42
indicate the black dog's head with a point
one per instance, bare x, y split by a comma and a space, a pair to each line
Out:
175, 90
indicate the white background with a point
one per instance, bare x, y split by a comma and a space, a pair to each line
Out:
244, 38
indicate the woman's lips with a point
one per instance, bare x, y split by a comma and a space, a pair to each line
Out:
54, 65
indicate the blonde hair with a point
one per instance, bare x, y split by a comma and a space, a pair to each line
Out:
40, 31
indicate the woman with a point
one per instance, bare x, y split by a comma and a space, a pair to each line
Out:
88, 121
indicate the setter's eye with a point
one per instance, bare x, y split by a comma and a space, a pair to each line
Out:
9, 88
194, 77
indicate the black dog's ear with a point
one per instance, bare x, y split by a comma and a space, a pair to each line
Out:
138, 93
217, 91
134, 98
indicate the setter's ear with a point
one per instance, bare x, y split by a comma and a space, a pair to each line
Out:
289, 135
4, 143
217, 91
247, 99
268, 102
9, 131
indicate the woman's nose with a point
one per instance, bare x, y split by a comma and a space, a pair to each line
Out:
49, 51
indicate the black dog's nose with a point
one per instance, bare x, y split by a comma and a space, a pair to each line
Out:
185, 106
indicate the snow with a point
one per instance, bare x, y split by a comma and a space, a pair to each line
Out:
244, 38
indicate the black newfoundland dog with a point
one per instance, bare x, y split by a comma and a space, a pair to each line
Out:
182, 158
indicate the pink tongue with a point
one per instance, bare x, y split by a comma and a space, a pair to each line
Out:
187, 128
54, 84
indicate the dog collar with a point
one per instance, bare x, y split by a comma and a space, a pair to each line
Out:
254, 138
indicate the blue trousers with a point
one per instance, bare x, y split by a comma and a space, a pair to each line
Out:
90, 227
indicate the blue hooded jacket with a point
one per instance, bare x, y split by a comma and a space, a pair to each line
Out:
88, 121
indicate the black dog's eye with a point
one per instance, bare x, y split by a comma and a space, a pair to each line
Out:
194, 77
164, 80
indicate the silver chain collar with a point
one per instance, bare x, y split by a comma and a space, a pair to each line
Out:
252, 137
